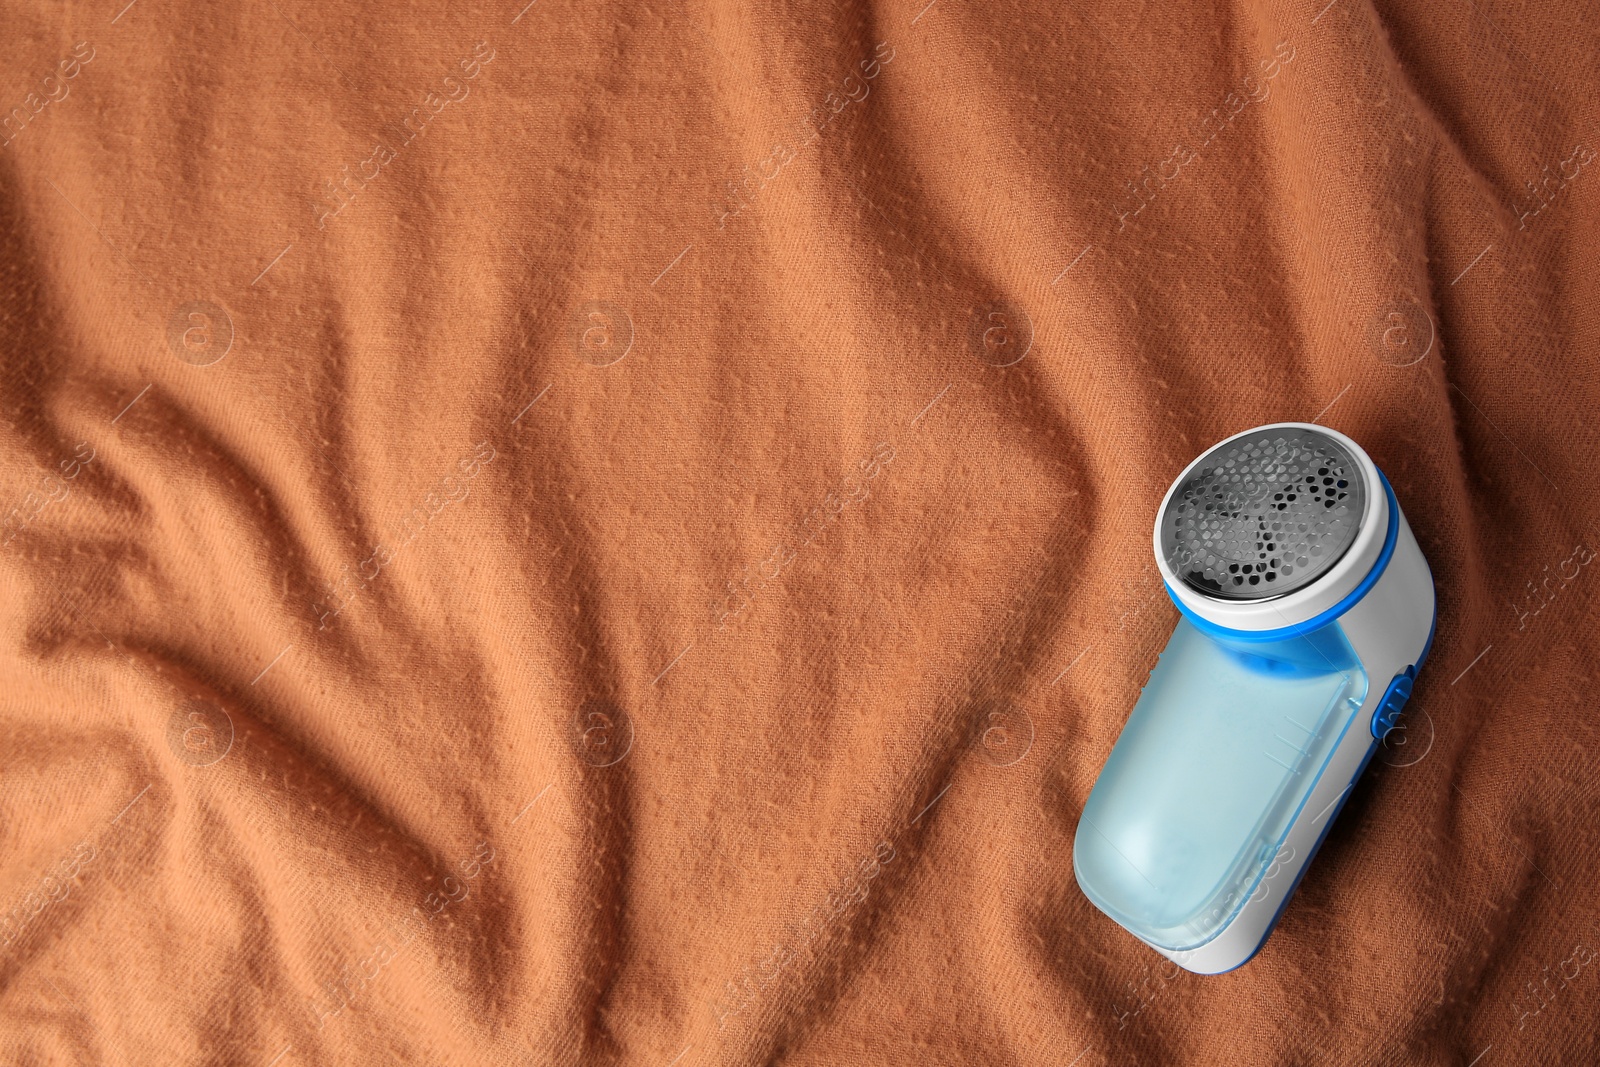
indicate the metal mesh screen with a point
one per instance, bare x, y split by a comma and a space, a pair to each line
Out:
1264, 515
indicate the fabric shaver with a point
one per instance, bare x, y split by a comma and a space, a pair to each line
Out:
1306, 610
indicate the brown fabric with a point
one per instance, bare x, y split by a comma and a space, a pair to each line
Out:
393, 674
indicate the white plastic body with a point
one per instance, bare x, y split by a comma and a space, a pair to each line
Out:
1389, 629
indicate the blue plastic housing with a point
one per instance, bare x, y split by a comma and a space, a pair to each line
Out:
1216, 760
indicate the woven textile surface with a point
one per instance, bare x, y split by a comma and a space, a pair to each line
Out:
551, 533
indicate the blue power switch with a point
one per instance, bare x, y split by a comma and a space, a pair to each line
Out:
1393, 702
